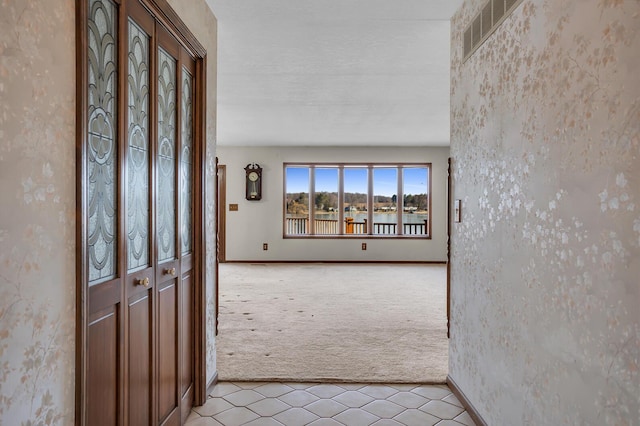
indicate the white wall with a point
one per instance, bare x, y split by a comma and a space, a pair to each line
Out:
258, 222
546, 261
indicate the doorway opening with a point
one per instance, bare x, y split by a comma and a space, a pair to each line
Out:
330, 321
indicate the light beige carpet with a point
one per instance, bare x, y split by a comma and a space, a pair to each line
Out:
333, 322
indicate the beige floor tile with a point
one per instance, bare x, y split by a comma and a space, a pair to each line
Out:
248, 385
353, 399
272, 390
263, 421
356, 417
387, 422
301, 385
325, 422
236, 416
432, 392
296, 417
404, 386
298, 398
326, 408
451, 399
465, 419
224, 388
212, 407
244, 397
408, 399
268, 407
379, 391
383, 409
413, 417
326, 391
441, 409
294, 404
351, 386
202, 421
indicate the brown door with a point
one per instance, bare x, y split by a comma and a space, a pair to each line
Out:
140, 206
174, 233
139, 170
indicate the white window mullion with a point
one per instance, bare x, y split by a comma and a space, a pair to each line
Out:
312, 198
370, 200
341, 200
400, 202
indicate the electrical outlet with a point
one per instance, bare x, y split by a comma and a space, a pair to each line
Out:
265, 246
364, 246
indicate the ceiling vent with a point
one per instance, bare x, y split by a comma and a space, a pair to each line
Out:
485, 23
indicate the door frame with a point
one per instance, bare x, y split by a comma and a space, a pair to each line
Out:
221, 229
221, 175
449, 247
168, 18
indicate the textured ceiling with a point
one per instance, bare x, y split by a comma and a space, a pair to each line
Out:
333, 72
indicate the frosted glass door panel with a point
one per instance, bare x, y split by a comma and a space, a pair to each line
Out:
101, 140
138, 146
166, 156
186, 166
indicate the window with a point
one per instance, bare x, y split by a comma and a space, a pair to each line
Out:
385, 199
415, 200
297, 200
356, 184
363, 200
325, 198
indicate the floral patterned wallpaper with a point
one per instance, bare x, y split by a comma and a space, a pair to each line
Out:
37, 217
37, 211
546, 261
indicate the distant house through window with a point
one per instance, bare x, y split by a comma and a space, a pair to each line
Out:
349, 200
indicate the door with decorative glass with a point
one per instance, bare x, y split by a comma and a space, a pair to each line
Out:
140, 281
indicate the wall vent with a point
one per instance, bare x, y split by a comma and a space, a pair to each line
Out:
485, 23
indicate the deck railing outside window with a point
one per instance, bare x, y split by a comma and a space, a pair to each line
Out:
297, 225
300, 226
326, 226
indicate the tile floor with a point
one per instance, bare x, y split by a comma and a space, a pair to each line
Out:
293, 404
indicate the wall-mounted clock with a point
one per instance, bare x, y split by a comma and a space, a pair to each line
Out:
253, 182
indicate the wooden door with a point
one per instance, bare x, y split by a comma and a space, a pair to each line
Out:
140, 287
140, 207
174, 219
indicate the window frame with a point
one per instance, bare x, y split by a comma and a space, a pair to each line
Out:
370, 167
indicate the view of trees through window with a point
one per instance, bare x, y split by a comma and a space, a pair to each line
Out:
297, 199
325, 200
